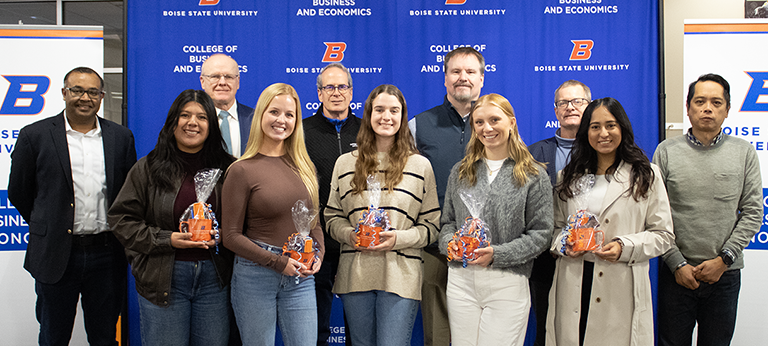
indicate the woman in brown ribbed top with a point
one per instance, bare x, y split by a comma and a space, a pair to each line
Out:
259, 191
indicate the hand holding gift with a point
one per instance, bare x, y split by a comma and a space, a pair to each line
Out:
374, 220
474, 233
581, 233
300, 246
199, 219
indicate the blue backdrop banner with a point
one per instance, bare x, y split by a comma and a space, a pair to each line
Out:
530, 48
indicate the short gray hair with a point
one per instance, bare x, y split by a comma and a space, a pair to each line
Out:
573, 82
336, 65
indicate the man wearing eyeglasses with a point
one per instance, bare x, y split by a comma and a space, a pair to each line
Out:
220, 78
571, 99
441, 135
328, 134
66, 171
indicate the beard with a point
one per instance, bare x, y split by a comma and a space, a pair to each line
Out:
462, 96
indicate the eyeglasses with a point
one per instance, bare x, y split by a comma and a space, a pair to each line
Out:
343, 88
577, 102
78, 92
217, 77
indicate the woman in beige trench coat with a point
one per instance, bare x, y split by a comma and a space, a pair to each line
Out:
630, 202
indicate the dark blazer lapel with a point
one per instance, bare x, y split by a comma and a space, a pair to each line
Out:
108, 140
59, 136
617, 187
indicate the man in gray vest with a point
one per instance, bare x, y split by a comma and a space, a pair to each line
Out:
715, 192
441, 135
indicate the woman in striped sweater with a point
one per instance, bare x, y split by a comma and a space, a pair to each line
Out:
380, 286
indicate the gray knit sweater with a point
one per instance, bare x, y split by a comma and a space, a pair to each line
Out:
519, 218
716, 197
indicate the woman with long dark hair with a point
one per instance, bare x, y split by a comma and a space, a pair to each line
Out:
260, 189
488, 301
610, 286
380, 286
182, 284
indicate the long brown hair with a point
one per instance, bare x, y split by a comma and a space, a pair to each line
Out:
294, 144
525, 164
401, 149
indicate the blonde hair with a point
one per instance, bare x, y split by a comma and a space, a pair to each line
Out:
294, 144
401, 149
525, 164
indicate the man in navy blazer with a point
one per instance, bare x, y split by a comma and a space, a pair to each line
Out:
66, 171
571, 99
220, 78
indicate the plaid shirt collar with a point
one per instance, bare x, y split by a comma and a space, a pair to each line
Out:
696, 142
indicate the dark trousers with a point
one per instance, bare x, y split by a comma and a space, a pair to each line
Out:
96, 271
540, 283
324, 280
712, 306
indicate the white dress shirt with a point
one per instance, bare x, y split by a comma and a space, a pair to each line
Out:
89, 179
234, 128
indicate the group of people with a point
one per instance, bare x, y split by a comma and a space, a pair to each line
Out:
238, 286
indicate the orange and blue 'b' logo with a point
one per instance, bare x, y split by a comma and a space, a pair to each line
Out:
334, 51
582, 49
757, 96
25, 95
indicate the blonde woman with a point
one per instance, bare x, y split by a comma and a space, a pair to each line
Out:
488, 301
259, 191
381, 286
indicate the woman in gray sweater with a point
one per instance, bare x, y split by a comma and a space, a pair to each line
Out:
488, 301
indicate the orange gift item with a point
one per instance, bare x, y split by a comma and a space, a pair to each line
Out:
199, 219
368, 236
306, 256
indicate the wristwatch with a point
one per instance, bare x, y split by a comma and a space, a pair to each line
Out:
682, 264
727, 257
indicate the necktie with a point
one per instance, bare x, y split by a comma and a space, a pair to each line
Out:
224, 116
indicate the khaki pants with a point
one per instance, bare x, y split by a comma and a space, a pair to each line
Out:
434, 310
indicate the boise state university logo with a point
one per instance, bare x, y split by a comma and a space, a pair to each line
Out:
756, 99
25, 95
334, 51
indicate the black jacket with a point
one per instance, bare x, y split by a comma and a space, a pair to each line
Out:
324, 146
40, 187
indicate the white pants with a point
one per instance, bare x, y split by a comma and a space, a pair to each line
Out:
487, 306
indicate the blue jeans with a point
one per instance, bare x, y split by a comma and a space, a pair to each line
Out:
97, 271
197, 311
712, 306
379, 318
262, 298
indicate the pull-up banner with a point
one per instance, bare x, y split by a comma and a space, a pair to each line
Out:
33, 64
736, 50
530, 48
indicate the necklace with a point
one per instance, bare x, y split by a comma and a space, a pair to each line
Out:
491, 171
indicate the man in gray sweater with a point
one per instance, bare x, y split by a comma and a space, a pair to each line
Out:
715, 191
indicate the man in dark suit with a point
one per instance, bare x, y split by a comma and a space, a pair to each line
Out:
571, 99
220, 78
66, 171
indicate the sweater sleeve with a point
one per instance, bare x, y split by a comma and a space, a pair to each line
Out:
336, 221
538, 225
448, 218
236, 193
673, 257
750, 206
127, 216
425, 229
657, 237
